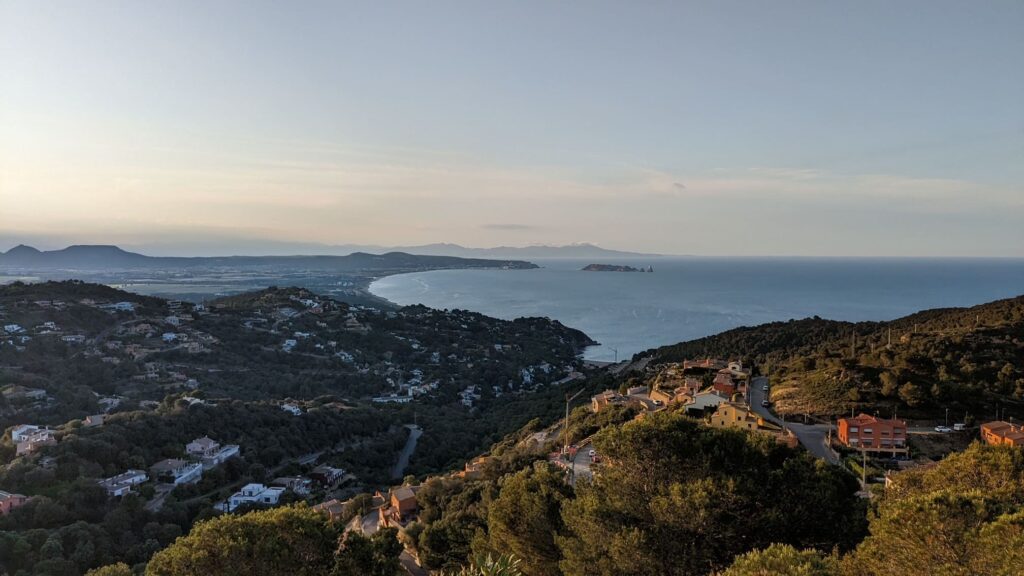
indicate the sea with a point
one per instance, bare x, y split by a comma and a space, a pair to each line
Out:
687, 298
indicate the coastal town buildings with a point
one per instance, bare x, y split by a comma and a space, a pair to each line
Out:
1000, 433
117, 486
9, 501
872, 434
210, 452
401, 507
252, 494
175, 471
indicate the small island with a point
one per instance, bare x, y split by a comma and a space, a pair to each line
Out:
613, 268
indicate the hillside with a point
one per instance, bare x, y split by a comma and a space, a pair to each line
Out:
970, 360
103, 257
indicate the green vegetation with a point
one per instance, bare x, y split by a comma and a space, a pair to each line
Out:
969, 360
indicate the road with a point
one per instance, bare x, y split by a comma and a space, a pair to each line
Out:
813, 437
410, 446
581, 463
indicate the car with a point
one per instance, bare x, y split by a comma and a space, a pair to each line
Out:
764, 388
943, 429
765, 403
592, 453
658, 403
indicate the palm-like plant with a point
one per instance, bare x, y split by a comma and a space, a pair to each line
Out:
504, 565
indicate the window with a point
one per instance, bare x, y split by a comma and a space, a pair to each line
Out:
867, 430
853, 428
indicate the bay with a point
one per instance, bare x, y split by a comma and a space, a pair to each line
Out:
687, 298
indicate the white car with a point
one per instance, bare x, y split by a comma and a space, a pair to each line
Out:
592, 453
943, 429
764, 388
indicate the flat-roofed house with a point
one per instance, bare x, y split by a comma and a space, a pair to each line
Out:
871, 434
1000, 433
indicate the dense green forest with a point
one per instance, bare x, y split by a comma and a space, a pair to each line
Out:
969, 360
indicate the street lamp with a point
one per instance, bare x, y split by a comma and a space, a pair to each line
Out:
565, 428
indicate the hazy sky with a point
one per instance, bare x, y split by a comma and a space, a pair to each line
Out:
818, 128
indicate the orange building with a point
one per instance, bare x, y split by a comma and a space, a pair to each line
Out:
1001, 433
872, 434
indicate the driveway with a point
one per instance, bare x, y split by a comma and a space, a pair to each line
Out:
813, 437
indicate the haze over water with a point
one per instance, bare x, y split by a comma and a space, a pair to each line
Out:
687, 298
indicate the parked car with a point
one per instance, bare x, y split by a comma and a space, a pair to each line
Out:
764, 388
943, 429
765, 403
658, 402
592, 454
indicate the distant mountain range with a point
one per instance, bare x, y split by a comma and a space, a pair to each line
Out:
100, 257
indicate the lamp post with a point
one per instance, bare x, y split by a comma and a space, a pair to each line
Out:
565, 427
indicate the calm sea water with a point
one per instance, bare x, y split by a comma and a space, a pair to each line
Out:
687, 298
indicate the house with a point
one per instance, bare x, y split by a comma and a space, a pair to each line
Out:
18, 392
474, 468
1000, 433
252, 494
123, 306
117, 486
334, 509
21, 432
9, 501
169, 337
609, 398
174, 471
210, 452
73, 338
326, 475
706, 400
298, 484
33, 441
202, 447
736, 415
739, 416
94, 420
289, 344
292, 409
872, 434
172, 320
13, 328
401, 508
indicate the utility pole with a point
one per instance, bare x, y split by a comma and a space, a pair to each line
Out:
947, 417
890, 338
616, 350
565, 428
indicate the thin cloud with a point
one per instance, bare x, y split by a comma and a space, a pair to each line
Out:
508, 227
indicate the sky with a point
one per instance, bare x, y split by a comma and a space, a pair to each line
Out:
713, 128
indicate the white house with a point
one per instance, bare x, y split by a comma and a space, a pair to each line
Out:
173, 320
174, 471
73, 338
13, 328
704, 400
22, 432
121, 484
252, 494
292, 409
210, 452
169, 337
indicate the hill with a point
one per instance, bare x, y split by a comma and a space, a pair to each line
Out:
970, 360
112, 257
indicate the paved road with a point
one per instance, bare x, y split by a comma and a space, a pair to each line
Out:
581, 464
370, 522
813, 437
410, 446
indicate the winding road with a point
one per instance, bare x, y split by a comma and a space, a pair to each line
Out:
813, 437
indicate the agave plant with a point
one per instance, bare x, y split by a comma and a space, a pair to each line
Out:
504, 565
